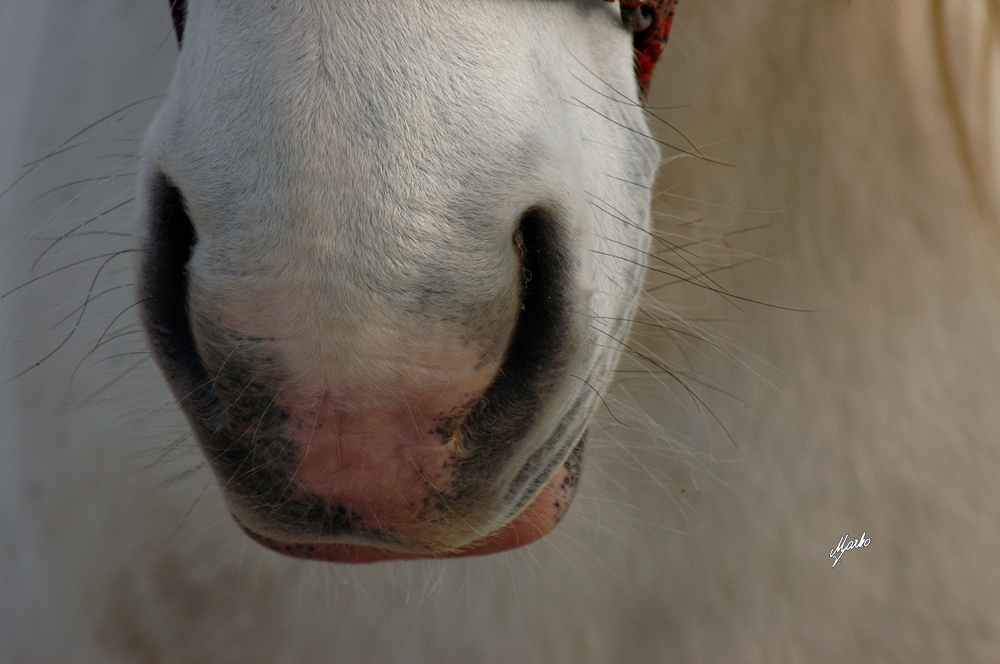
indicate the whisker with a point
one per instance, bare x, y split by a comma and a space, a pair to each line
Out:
82, 225
652, 138
109, 256
624, 99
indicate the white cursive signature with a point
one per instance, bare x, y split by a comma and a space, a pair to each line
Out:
844, 546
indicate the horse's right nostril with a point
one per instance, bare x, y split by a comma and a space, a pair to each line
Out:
163, 290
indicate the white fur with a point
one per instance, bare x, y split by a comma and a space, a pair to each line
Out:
875, 410
355, 175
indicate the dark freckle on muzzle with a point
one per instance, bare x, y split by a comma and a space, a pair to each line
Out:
573, 467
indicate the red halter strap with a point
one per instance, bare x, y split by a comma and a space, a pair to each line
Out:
648, 44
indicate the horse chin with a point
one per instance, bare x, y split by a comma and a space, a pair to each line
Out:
536, 521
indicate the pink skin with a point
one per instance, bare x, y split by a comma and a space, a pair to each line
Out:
536, 520
384, 466
381, 466
387, 456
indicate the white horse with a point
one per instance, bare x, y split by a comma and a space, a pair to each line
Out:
387, 256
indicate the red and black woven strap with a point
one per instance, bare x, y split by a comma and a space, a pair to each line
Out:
649, 41
652, 16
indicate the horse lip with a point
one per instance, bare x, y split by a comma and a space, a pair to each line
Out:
535, 521
511, 536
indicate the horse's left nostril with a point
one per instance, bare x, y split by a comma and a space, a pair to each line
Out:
389, 466
544, 340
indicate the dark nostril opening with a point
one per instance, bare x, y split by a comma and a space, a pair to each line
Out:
544, 317
163, 307
163, 275
541, 345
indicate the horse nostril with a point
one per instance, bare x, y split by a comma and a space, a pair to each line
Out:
543, 341
545, 275
163, 280
163, 306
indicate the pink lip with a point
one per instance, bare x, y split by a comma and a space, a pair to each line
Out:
535, 521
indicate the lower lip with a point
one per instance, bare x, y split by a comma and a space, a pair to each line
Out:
535, 521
